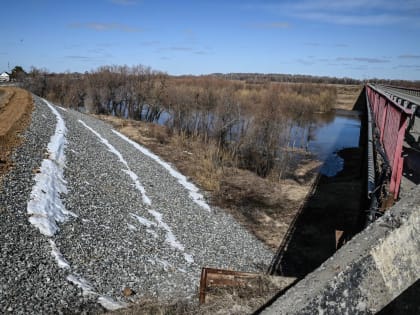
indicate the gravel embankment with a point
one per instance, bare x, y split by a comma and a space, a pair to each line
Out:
30, 280
118, 238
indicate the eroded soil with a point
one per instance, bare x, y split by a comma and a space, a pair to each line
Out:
15, 113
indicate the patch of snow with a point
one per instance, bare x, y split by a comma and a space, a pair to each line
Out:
153, 233
62, 108
193, 190
170, 237
188, 258
59, 258
128, 171
45, 207
83, 284
131, 227
110, 147
143, 221
110, 304
138, 186
164, 263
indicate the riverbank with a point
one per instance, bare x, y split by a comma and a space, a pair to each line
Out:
263, 205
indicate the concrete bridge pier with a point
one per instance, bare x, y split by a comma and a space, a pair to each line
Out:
377, 272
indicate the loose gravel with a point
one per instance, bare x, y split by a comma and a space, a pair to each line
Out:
117, 240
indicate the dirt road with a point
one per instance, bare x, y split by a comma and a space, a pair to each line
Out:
15, 111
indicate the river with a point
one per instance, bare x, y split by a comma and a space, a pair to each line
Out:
332, 132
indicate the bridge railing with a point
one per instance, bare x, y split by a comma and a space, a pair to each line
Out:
391, 119
410, 91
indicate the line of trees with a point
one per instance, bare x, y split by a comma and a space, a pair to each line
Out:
253, 122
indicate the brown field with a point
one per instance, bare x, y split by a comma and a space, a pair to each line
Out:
15, 110
347, 95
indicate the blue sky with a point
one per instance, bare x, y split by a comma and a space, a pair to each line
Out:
359, 39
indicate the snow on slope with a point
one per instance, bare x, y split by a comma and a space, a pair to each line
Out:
45, 207
128, 171
192, 189
170, 236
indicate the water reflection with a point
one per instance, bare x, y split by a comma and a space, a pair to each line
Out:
331, 133
324, 136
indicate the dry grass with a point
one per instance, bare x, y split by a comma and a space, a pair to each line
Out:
264, 206
221, 300
347, 95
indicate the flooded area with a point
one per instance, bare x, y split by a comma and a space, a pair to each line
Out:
332, 213
336, 131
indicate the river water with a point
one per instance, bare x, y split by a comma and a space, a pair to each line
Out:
326, 135
331, 133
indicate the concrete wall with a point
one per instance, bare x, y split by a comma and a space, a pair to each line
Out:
378, 266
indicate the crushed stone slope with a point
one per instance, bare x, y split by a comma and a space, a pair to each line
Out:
130, 222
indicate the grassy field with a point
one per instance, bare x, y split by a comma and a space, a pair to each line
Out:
347, 95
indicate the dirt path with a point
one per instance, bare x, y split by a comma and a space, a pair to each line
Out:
15, 112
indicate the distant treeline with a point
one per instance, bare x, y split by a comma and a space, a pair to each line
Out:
276, 77
299, 78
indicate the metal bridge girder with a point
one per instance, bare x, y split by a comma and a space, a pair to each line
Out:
391, 119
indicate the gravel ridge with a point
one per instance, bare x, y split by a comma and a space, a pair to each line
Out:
30, 280
117, 240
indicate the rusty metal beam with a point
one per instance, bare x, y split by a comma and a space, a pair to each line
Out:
391, 119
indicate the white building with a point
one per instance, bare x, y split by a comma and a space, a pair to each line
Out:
4, 77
